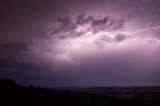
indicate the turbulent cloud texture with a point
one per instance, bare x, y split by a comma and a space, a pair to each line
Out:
81, 42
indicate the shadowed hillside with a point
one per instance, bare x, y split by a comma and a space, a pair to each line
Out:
12, 94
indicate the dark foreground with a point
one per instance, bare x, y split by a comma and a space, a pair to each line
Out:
12, 94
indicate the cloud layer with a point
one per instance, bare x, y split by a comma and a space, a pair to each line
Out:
81, 42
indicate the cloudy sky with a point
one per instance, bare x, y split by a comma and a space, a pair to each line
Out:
80, 42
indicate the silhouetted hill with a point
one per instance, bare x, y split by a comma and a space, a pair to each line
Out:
12, 94
7, 83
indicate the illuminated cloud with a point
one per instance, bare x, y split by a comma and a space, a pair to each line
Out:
81, 42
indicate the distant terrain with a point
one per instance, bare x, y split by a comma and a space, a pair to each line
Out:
12, 94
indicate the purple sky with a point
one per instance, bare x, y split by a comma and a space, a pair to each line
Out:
80, 42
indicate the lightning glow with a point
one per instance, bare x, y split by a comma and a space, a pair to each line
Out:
142, 30
90, 41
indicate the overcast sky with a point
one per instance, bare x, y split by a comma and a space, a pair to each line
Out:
80, 42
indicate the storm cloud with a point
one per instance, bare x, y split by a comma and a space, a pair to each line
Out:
80, 42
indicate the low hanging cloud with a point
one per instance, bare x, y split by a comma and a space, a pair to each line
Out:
82, 19
120, 37
68, 26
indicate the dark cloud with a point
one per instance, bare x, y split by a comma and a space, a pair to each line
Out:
14, 46
10, 54
120, 37
66, 24
106, 38
107, 24
12, 51
101, 24
82, 19
116, 24
98, 22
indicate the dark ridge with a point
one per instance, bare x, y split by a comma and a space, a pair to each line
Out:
12, 94
7, 83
